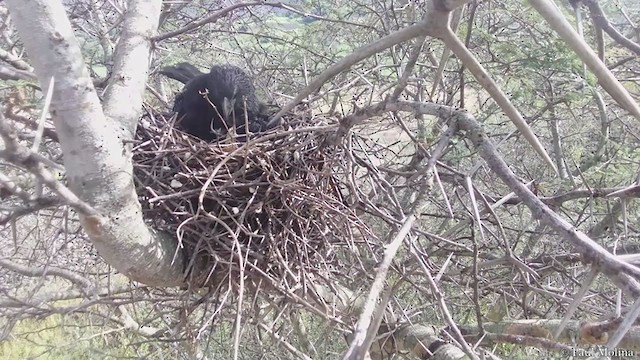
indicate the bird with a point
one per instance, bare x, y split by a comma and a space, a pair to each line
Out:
182, 72
213, 103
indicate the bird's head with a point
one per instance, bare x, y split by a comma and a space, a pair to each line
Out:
228, 105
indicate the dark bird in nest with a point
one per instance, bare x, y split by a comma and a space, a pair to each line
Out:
213, 103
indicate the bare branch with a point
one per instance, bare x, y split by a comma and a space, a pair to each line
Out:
359, 54
7, 73
483, 77
22, 156
123, 99
600, 19
210, 19
592, 251
359, 345
606, 79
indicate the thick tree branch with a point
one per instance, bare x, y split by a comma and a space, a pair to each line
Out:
592, 252
426, 27
125, 92
477, 70
600, 19
99, 169
559, 23
209, 19
615, 268
29, 271
9, 73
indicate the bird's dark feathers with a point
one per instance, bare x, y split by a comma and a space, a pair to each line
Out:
211, 103
182, 72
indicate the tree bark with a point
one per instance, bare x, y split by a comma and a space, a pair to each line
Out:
98, 164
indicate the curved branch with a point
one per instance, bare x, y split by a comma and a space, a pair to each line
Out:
600, 19
613, 267
29, 271
424, 27
618, 270
209, 19
99, 168
452, 42
606, 79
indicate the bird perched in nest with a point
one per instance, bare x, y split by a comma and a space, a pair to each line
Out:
213, 103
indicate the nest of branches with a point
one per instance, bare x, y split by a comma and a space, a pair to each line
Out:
269, 208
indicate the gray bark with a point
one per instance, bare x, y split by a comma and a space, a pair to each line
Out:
98, 165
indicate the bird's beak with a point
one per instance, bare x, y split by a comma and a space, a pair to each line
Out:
227, 105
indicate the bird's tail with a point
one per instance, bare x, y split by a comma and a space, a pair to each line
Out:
182, 72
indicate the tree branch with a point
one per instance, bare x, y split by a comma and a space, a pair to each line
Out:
99, 168
125, 91
606, 79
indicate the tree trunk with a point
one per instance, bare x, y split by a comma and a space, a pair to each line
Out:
98, 164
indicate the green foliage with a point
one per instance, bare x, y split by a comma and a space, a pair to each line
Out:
57, 338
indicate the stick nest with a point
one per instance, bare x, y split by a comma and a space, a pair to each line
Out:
272, 208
